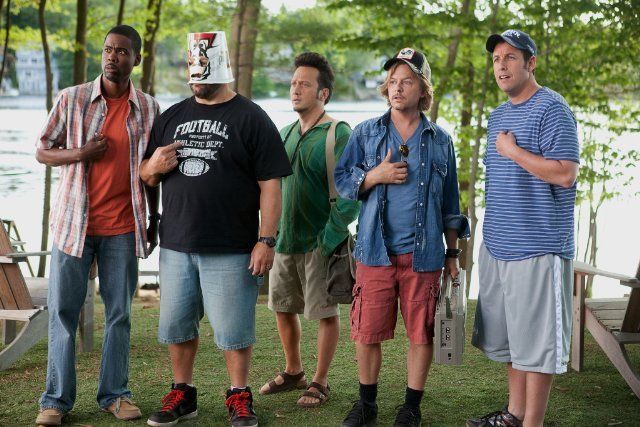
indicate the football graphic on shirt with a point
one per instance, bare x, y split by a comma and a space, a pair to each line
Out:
194, 167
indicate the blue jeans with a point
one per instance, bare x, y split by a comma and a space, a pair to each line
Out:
118, 274
219, 285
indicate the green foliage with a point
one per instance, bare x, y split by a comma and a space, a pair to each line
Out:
606, 168
286, 34
176, 21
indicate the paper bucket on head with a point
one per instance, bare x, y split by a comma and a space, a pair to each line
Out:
208, 59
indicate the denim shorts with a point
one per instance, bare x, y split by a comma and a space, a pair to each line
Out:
218, 285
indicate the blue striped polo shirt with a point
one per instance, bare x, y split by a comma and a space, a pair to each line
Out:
525, 216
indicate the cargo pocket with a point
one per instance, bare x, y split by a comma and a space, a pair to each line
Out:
356, 308
432, 303
435, 289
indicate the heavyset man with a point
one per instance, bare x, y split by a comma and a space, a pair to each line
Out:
219, 159
523, 317
403, 169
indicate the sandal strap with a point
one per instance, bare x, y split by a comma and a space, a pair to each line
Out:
322, 389
288, 377
288, 380
315, 394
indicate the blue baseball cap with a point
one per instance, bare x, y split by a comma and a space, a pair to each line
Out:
516, 38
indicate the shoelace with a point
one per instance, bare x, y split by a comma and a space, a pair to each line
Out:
406, 415
357, 412
496, 419
171, 400
239, 402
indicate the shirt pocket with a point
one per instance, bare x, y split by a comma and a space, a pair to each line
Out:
438, 175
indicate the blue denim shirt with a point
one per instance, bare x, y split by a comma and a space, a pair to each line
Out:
438, 197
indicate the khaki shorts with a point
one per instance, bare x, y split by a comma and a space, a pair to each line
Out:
297, 284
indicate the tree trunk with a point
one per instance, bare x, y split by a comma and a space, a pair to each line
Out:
593, 229
473, 171
44, 242
242, 46
149, 46
6, 40
46, 210
120, 12
464, 147
234, 39
80, 51
593, 247
47, 54
1, 6
452, 53
475, 157
589, 235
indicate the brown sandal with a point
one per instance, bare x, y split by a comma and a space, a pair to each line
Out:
291, 382
322, 395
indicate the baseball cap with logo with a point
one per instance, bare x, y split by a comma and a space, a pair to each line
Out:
414, 59
516, 38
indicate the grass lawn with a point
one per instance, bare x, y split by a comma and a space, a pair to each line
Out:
595, 397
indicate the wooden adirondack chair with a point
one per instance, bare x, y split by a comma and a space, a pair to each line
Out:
613, 322
25, 300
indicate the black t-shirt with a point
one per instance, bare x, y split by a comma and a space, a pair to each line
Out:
210, 202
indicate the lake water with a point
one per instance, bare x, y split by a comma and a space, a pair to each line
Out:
22, 182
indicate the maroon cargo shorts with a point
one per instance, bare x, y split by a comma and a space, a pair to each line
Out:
374, 310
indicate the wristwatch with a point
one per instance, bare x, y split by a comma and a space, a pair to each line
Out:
269, 241
155, 216
452, 253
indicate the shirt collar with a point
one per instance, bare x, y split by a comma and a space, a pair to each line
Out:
322, 125
97, 91
428, 125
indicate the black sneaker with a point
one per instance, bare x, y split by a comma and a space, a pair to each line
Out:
180, 404
407, 416
240, 406
361, 415
502, 418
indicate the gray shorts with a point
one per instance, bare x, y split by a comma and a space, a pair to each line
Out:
524, 312
298, 284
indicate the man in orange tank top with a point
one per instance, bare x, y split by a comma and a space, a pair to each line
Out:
97, 133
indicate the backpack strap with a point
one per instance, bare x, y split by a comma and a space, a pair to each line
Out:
331, 160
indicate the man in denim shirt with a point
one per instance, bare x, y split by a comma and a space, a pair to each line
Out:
402, 167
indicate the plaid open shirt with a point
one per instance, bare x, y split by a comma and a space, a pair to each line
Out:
78, 115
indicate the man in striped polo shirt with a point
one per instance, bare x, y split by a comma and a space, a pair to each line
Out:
523, 317
97, 133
